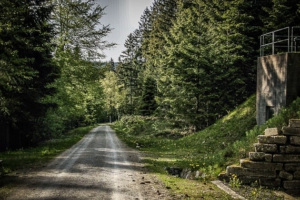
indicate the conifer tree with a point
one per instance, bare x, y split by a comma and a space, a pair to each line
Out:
233, 43
148, 103
26, 69
79, 42
162, 15
131, 68
184, 81
280, 14
77, 23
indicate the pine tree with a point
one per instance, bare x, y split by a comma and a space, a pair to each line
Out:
112, 65
78, 23
280, 14
79, 41
131, 67
162, 14
148, 104
26, 69
184, 81
233, 43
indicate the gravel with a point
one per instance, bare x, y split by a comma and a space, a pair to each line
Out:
100, 166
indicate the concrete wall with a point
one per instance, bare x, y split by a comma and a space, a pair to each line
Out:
293, 77
277, 83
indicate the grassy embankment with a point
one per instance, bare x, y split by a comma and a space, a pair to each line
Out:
37, 156
208, 151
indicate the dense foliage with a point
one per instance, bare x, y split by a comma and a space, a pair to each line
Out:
49, 69
190, 62
200, 54
26, 68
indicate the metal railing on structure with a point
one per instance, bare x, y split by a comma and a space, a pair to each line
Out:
280, 41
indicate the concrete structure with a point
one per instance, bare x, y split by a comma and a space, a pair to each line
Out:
278, 83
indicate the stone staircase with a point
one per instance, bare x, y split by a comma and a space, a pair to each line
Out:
275, 162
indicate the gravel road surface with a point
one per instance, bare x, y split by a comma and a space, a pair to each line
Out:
100, 166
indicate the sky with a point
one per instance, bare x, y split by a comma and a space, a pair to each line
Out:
123, 17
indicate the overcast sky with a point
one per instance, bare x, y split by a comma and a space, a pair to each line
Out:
123, 16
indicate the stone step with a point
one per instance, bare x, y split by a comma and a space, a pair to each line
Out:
246, 163
295, 140
270, 182
289, 149
275, 139
268, 157
272, 131
294, 123
291, 131
292, 167
240, 171
257, 156
286, 158
266, 148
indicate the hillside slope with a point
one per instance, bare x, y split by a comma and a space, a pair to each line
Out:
211, 149
204, 154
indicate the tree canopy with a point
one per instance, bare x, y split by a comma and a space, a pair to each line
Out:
49, 68
189, 61
200, 55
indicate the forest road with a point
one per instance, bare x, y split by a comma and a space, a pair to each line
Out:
98, 167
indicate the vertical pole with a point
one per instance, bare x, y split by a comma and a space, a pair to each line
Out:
273, 44
261, 46
292, 40
289, 39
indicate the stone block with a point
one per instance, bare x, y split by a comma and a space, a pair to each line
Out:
285, 175
223, 177
292, 166
289, 149
275, 139
291, 131
272, 131
270, 182
297, 175
295, 140
240, 172
268, 157
257, 156
291, 185
267, 148
260, 165
295, 123
293, 158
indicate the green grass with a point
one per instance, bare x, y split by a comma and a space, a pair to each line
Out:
38, 156
208, 151
24, 159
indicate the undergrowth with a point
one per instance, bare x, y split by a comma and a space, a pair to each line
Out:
208, 151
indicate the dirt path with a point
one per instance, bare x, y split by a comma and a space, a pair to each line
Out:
100, 166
